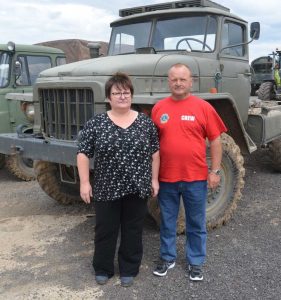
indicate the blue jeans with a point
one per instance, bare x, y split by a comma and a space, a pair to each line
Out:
194, 196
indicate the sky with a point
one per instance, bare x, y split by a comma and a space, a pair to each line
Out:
35, 21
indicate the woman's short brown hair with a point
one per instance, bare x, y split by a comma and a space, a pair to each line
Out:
121, 80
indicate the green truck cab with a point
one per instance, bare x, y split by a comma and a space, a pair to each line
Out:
145, 42
20, 66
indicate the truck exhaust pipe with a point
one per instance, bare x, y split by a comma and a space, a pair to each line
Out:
94, 49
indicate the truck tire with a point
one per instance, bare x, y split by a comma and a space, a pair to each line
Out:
266, 91
49, 179
223, 201
275, 154
2, 161
20, 167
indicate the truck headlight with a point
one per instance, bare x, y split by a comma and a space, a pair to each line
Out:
28, 109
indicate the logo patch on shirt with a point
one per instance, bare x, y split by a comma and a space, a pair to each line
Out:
164, 118
188, 118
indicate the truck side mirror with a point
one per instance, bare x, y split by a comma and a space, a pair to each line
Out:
17, 68
255, 30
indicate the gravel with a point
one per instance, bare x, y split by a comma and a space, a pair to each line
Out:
46, 248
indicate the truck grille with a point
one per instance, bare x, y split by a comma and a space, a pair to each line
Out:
65, 111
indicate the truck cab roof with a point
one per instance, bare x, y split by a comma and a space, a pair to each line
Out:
32, 49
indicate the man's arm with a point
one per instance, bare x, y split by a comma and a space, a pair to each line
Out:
216, 156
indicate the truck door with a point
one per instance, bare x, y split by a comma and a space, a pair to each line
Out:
234, 64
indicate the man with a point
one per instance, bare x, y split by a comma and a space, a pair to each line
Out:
277, 78
184, 121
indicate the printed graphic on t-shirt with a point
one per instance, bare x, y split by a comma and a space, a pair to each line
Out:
188, 118
164, 118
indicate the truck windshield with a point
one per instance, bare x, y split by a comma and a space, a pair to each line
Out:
182, 33
4, 69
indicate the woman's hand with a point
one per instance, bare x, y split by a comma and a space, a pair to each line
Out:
86, 192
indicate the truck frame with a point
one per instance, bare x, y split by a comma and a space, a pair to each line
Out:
145, 42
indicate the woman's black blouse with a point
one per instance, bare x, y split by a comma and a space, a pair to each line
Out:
122, 157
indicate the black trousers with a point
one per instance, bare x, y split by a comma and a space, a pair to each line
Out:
126, 214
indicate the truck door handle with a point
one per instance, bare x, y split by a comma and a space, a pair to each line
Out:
247, 73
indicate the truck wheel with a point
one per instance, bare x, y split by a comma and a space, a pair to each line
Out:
49, 179
266, 91
154, 211
20, 166
223, 201
275, 154
2, 161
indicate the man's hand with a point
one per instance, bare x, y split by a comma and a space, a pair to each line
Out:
213, 180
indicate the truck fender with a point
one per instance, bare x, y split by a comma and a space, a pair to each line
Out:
225, 106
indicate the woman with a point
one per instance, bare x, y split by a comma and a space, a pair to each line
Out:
126, 149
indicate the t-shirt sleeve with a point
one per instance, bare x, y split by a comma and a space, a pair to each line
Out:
153, 135
215, 125
153, 114
154, 139
87, 139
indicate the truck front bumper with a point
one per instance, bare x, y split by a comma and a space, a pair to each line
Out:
56, 151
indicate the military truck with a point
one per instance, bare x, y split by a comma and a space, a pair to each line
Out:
261, 69
145, 42
19, 68
263, 82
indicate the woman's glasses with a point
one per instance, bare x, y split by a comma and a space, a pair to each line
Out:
120, 94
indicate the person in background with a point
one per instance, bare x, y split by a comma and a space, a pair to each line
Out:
277, 78
184, 121
125, 147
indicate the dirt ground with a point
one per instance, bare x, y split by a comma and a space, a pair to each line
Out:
46, 248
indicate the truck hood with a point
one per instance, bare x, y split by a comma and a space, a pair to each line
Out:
132, 64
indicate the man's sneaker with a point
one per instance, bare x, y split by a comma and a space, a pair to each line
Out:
195, 273
163, 267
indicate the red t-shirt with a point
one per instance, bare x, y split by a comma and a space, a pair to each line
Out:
183, 127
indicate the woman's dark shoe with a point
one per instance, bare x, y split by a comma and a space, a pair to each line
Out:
101, 279
127, 281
